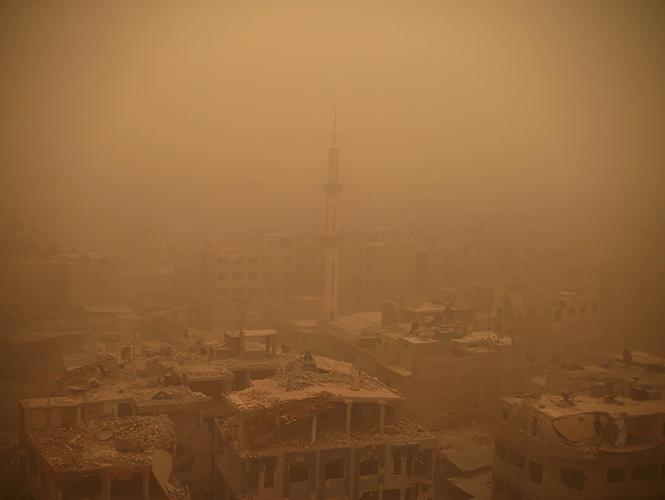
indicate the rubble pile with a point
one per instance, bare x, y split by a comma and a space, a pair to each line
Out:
104, 442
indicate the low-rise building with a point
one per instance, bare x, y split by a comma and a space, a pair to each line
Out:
62, 456
321, 429
448, 372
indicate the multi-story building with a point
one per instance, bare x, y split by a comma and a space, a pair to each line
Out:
447, 371
372, 269
184, 381
557, 326
54, 287
260, 273
63, 456
580, 446
321, 429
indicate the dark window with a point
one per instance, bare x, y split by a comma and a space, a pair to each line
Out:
535, 472
221, 276
221, 292
616, 475
662, 470
410, 459
369, 467
498, 485
391, 494
334, 469
500, 450
397, 460
253, 260
582, 310
269, 476
571, 311
516, 459
125, 409
530, 311
237, 260
237, 276
512, 493
534, 426
221, 261
573, 478
644, 472
253, 275
184, 459
504, 414
252, 291
370, 495
557, 315
298, 472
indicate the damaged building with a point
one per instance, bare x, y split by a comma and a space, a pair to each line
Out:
125, 458
591, 429
579, 446
321, 428
448, 372
185, 382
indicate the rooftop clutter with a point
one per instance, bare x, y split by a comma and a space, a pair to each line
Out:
315, 402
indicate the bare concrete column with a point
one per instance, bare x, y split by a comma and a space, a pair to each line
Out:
262, 478
279, 476
315, 420
349, 405
382, 463
352, 472
403, 479
314, 493
146, 485
382, 416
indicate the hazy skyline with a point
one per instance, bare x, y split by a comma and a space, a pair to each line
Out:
217, 115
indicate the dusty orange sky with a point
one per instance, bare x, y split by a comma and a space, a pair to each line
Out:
217, 115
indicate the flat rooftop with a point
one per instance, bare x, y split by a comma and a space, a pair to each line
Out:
554, 406
258, 333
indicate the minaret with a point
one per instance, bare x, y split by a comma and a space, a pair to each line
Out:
331, 251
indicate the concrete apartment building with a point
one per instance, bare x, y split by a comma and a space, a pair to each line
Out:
553, 326
262, 280
373, 268
599, 435
447, 371
321, 429
40, 282
580, 446
184, 381
119, 458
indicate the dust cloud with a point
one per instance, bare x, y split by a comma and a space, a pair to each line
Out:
491, 226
